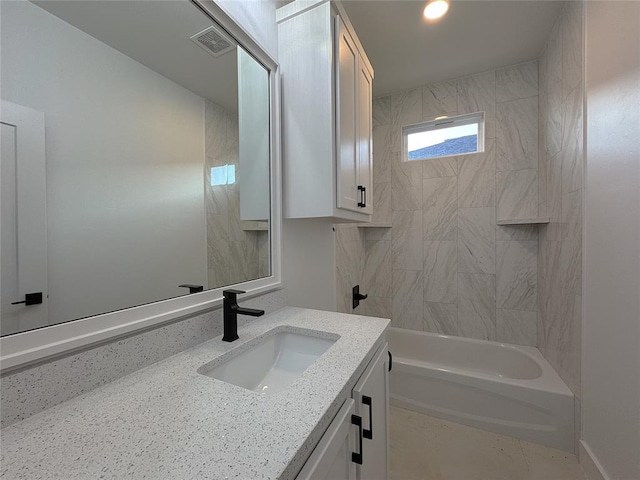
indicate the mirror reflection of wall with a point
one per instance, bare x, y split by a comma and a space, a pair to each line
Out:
144, 147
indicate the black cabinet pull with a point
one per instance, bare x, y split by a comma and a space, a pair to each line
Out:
390, 360
30, 299
369, 402
364, 197
362, 202
357, 457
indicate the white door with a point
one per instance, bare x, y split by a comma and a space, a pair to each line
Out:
23, 227
332, 458
371, 395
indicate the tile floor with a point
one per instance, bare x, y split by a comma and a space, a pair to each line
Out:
427, 448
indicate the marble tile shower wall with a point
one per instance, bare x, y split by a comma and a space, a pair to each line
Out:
234, 254
445, 266
561, 173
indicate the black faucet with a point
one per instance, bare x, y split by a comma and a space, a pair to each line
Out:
231, 311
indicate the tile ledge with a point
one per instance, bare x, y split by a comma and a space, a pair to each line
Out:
374, 225
524, 221
254, 225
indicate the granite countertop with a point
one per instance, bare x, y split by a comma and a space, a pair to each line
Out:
168, 421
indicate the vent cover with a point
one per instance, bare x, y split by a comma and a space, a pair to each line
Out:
213, 41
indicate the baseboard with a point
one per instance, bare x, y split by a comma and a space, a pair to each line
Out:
589, 463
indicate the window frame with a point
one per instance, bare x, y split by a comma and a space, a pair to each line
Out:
439, 124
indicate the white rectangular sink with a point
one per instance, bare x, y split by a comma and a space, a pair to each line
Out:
271, 365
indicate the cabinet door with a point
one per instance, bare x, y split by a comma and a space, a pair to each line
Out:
332, 458
365, 133
253, 138
371, 395
346, 119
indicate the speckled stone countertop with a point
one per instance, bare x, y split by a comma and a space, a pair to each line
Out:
167, 421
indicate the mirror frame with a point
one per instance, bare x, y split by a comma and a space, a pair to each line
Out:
34, 346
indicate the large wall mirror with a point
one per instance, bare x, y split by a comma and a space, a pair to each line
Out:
136, 153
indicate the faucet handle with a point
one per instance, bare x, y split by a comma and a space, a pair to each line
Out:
231, 296
192, 288
231, 291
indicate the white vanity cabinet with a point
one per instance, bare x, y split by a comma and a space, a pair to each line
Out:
332, 458
327, 114
355, 445
371, 396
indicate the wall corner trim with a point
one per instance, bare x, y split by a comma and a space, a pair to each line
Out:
590, 464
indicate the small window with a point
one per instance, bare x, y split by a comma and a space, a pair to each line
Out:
224, 175
444, 137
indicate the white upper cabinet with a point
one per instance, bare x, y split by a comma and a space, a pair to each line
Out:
327, 116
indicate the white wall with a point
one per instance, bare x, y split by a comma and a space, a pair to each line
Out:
611, 322
258, 18
124, 152
309, 263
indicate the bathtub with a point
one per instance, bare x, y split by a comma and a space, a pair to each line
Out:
502, 388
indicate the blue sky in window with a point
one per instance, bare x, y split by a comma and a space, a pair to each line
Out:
223, 175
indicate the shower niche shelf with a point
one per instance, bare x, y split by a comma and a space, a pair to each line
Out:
374, 225
254, 226
524, 221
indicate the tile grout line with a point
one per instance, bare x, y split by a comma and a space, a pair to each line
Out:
524, 455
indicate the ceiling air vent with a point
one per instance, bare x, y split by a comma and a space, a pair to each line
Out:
213, 41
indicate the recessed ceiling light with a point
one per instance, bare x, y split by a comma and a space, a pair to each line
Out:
436, 9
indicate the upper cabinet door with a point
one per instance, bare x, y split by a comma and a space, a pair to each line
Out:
253, 138
365, 137
347, 68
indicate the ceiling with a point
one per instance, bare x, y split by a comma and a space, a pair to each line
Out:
406, 52
156, 34
475, 36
